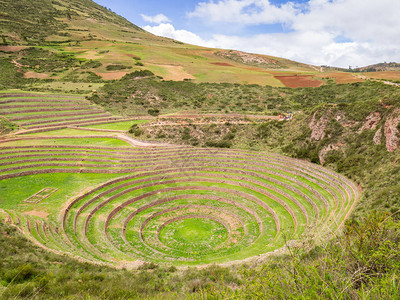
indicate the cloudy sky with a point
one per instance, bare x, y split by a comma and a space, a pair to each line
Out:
321, 32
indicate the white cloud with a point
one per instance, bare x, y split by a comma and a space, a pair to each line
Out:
367, 20
168, 30
244, 12
158, 19
369, 29
309, 47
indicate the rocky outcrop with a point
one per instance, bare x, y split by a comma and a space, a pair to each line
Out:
371, 122
318, 127
324, 151
378, 137
342, 120
246, 58
392, 132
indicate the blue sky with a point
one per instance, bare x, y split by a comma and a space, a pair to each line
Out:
319, 32
177, 11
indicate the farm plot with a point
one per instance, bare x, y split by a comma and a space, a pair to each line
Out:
297, 81
176, 204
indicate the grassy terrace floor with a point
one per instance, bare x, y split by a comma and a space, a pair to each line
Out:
252, 201
115, 200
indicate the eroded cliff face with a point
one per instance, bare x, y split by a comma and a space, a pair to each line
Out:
247, 58
378, 137
371, 122
391, 131
385, 125
318, 127
325, 150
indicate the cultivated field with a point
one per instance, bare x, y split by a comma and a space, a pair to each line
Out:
297, 81
104, 197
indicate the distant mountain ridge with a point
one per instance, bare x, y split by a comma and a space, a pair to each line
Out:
391, 66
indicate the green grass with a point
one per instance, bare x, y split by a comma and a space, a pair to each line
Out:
207, 255
70, 132
241, 226
117, 125
302, 274
69, 185
106, 142
364, 263
67, 87
193, 231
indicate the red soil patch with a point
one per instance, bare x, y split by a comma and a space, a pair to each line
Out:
12, 48
297, 81
131, 55
112, 75
222, 64
35, 213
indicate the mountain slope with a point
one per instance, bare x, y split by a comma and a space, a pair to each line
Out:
33, 21
89, 31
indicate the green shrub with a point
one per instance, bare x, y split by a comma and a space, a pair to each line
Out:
42, 60
136, 130
91, 64
136, 74
117, 67
153, 111
149, 266
219, 144
21, 273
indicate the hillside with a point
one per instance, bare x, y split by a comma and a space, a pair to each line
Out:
34, 22
106, 47
114, 47
139, 167
392, 66
350, 128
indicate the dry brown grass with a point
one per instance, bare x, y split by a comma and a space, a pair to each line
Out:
342, 77
12, 48
389, 75
176, 73
112, 75
222, 64
31, 74
297, 81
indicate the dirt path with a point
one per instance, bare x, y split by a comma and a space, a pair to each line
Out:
95, 129
17, 64
391, 83
137, 143
372, 79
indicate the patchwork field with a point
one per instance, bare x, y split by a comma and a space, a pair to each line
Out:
104, 197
